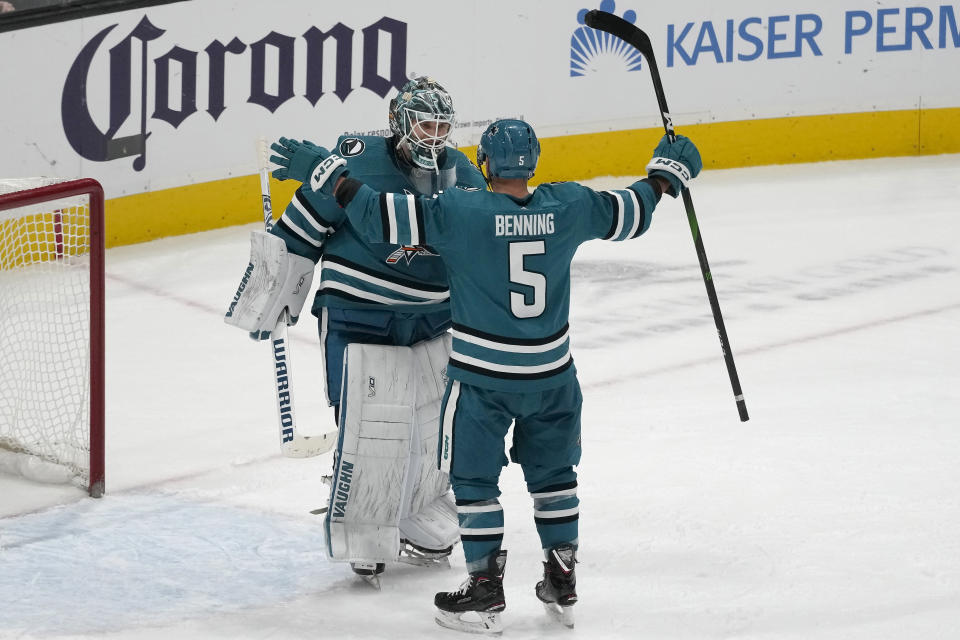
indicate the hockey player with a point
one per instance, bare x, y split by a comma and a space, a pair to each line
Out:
508, 253
377, 294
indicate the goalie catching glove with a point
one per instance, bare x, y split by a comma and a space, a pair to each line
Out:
677, 162
309, 164
275, 283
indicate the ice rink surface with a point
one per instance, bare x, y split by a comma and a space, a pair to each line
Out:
833, 513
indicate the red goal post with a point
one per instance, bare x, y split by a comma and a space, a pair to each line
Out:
52, 330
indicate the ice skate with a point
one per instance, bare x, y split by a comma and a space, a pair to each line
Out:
411, 553
558, 589
475, 607
369, 571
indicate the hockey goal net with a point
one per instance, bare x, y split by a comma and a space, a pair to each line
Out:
52, 331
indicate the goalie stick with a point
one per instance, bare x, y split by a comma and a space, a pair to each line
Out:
292, 445
635, 37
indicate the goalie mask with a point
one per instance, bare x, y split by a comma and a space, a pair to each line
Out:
421, 118
512, 148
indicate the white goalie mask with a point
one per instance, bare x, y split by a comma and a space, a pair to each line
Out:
421, 119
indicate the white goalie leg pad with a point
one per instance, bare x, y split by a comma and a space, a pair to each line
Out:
274, 281
429, 515
370, 477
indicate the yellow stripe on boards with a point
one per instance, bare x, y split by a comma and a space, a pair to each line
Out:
195, 207
724, 145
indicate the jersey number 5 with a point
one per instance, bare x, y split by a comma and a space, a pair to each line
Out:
532, 279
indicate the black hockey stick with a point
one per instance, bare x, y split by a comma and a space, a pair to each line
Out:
635, 37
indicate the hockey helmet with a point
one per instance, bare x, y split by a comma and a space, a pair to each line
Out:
421, 118
512, 148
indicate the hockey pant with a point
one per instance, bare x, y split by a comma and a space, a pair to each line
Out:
546, 444
386, 485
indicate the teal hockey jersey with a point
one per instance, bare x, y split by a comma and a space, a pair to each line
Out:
355, 274
508, 264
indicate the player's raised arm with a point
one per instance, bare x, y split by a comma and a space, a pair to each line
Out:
380, 217
622, 214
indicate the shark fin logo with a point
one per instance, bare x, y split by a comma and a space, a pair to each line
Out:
407, 254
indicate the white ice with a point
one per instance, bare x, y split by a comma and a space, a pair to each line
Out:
833, 513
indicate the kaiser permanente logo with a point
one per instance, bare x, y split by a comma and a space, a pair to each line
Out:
114, 122
592, 50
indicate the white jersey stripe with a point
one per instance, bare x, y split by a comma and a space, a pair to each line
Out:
559, 513
412, 215
482, 508
511, 348
300, 232
366, 295
618, 213
309, 216
505, 368
552, 494
637, 210
386, 284
392, 218
481, 532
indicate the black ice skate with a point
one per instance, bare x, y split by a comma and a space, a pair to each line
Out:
482, 594
369, 571
558, 589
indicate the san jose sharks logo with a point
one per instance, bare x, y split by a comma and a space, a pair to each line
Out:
407, 254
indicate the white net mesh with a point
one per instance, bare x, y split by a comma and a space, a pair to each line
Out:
44, 333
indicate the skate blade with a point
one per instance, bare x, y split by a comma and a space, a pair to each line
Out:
440, 563
563, 615
373, 581
488, 624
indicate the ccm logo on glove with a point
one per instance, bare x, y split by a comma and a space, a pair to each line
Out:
324, 170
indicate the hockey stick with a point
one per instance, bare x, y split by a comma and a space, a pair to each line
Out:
636, 38
292, 445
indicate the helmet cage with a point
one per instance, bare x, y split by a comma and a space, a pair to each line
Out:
426, 135
422, 118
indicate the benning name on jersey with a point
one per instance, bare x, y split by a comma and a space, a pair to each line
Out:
532, 224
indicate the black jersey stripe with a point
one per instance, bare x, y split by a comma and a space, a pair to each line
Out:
384, 217
616, 214
302, 236
344, 295
524, 342
563, 520
302, 199
413, 284
506, 375
486, 537
566, 486
481, 501
421, 230
332, 288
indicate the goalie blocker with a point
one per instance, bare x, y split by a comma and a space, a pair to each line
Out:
276, 283
387, 495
